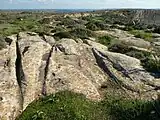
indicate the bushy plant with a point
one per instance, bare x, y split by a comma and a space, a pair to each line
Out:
63, 106
19, 25
75, 33
2, 43
91, 26
9, 31
72, 106
82, 33
130, 51
142, 34
128, 28
101, 25
61, 35
120, 48
57, 29
45, 20
105, 40
152, 64
157, 29
125, 109
67, 21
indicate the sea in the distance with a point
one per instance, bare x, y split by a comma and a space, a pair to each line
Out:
67, 10
50, 10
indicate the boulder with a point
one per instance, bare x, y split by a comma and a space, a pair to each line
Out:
33, 52
10, 95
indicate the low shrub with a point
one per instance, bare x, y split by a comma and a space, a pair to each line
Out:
75, 26
152, 65
41, 29
91, 26
72, 106
75, 33
63, 106
82, 33
125, 49
101, 25
10, 30
128, 28
157, 29
120, 48
67, 21
61, 35
128, 109
19, 25
142, 34
105, 40
45, 20
2, 43
57, 29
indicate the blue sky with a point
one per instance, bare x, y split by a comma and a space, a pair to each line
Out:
78, 4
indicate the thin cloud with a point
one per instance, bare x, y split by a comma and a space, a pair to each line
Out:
11, 1
79, 4
45, 0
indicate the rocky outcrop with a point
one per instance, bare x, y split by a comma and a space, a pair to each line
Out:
126, 38
149, 17
10, 93
32, 61
72, 68
33, 66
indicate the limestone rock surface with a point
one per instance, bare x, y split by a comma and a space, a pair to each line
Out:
33, 66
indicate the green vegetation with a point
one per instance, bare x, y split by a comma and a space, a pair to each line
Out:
57, 29
15, 22
82, 33
105, 40
96, 23
157, 29
61, 35
91, 26
148, 62
142, 34
62, 106
125, 109
20, 25
152, 65
128, 28
67, 21
2, 43
130, 51
75, 33
9, 31
72, 106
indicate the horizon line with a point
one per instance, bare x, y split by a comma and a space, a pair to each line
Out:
70, 8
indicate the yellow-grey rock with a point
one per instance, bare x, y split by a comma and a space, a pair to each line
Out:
32, 66
10, 96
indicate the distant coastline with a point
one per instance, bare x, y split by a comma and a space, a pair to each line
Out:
51, 10
70, 10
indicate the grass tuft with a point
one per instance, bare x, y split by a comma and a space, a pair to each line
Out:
72, 106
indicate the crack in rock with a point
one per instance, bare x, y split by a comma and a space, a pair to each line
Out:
118, 67
20, 74
25, 50
102, 64
44, 91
